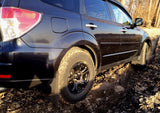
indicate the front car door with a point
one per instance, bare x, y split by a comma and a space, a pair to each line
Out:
130, 37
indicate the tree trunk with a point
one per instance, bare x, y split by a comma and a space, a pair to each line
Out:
158, 22
157, 16
149, 13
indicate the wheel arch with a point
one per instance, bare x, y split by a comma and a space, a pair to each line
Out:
146, 39
89, 44
92, 53
149, 42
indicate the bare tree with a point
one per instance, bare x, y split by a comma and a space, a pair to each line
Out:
149, 14
157, 16
149, 10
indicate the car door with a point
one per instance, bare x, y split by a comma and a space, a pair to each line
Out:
97, 21
130, 37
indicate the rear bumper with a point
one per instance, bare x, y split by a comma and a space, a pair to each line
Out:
23, 63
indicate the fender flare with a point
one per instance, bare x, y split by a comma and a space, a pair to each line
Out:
145, 39
84, 41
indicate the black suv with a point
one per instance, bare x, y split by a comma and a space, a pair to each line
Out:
65, 43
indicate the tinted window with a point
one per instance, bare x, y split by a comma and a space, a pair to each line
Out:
120, 16
71, 5
97, 9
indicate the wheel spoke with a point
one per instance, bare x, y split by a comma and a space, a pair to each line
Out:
78, 67
85, 70
78, 78
75, 86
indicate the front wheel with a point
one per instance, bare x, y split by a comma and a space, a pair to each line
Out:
144, 57
146, 54
75, 75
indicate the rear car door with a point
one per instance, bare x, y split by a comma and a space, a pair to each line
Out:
130, 37
97, 21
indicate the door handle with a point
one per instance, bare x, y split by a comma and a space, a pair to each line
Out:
124, 30
92, 26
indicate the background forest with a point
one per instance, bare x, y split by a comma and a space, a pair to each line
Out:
149, 10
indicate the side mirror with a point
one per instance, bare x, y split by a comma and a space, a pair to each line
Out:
138, 21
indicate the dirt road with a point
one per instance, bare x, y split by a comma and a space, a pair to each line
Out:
121, 89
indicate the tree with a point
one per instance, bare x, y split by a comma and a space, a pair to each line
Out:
157, 15
149, 14
149, 10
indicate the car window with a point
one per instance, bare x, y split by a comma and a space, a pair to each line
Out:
97, 9
120, 16
71, 5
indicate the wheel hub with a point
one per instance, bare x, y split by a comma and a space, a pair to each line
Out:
78, 78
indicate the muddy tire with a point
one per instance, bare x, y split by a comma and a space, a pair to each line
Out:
75, 75
146, 55
144, 58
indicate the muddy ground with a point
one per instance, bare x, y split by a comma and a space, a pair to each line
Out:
121, 89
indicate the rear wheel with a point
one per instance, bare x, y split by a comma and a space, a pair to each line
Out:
75, 75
